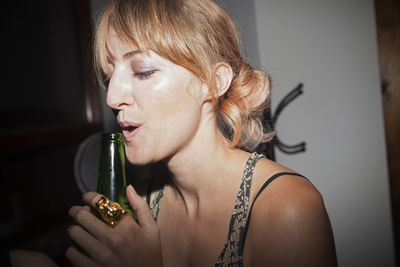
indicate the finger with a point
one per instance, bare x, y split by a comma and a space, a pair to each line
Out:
93, 225
86, 241
77, 258
126, 222
139, 205
91, 198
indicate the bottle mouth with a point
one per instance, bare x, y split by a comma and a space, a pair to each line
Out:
113, 137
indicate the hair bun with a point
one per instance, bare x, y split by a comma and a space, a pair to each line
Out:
240, 109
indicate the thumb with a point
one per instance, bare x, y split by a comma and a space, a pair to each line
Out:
139, 205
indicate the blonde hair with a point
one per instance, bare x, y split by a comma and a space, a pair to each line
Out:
195, 34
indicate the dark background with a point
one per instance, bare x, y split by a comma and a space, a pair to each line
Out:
49, 105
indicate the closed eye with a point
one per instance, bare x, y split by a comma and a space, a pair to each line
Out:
144, 74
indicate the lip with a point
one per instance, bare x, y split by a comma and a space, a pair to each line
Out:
130, 129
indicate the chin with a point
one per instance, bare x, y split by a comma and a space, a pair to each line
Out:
137, 160
138, 156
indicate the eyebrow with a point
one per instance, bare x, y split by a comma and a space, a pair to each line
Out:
130, 54
124, 56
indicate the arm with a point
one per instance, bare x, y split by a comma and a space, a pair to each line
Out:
290, 226
26, 258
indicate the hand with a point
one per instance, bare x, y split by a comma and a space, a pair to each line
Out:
129, 243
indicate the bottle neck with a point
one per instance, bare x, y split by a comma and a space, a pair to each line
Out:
111, 181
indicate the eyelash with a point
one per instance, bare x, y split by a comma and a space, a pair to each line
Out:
144, 74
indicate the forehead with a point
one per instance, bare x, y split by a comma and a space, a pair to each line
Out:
120, 50
118, 46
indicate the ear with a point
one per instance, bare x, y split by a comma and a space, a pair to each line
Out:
223, 77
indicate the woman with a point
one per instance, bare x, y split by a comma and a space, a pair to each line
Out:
184, 96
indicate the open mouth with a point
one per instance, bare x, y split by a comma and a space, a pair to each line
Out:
129, 128
129, 131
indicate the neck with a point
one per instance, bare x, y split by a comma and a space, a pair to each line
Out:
204, 167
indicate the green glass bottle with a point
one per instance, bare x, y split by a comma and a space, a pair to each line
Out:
111, 181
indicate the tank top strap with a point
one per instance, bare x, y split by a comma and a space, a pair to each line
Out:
266, 183
230, 255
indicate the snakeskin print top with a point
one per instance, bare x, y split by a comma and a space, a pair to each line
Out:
232, 252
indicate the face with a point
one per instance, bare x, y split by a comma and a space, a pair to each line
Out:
159, 102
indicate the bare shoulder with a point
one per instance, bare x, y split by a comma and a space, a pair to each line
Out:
286, 190
289, 224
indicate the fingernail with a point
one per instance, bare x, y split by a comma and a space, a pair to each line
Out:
130, 187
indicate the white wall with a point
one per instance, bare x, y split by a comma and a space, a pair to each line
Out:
330, 46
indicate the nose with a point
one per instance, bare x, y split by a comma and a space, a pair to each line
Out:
119, 93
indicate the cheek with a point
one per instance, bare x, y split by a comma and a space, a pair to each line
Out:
173, 100
171, 115
177, 115
175, 121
